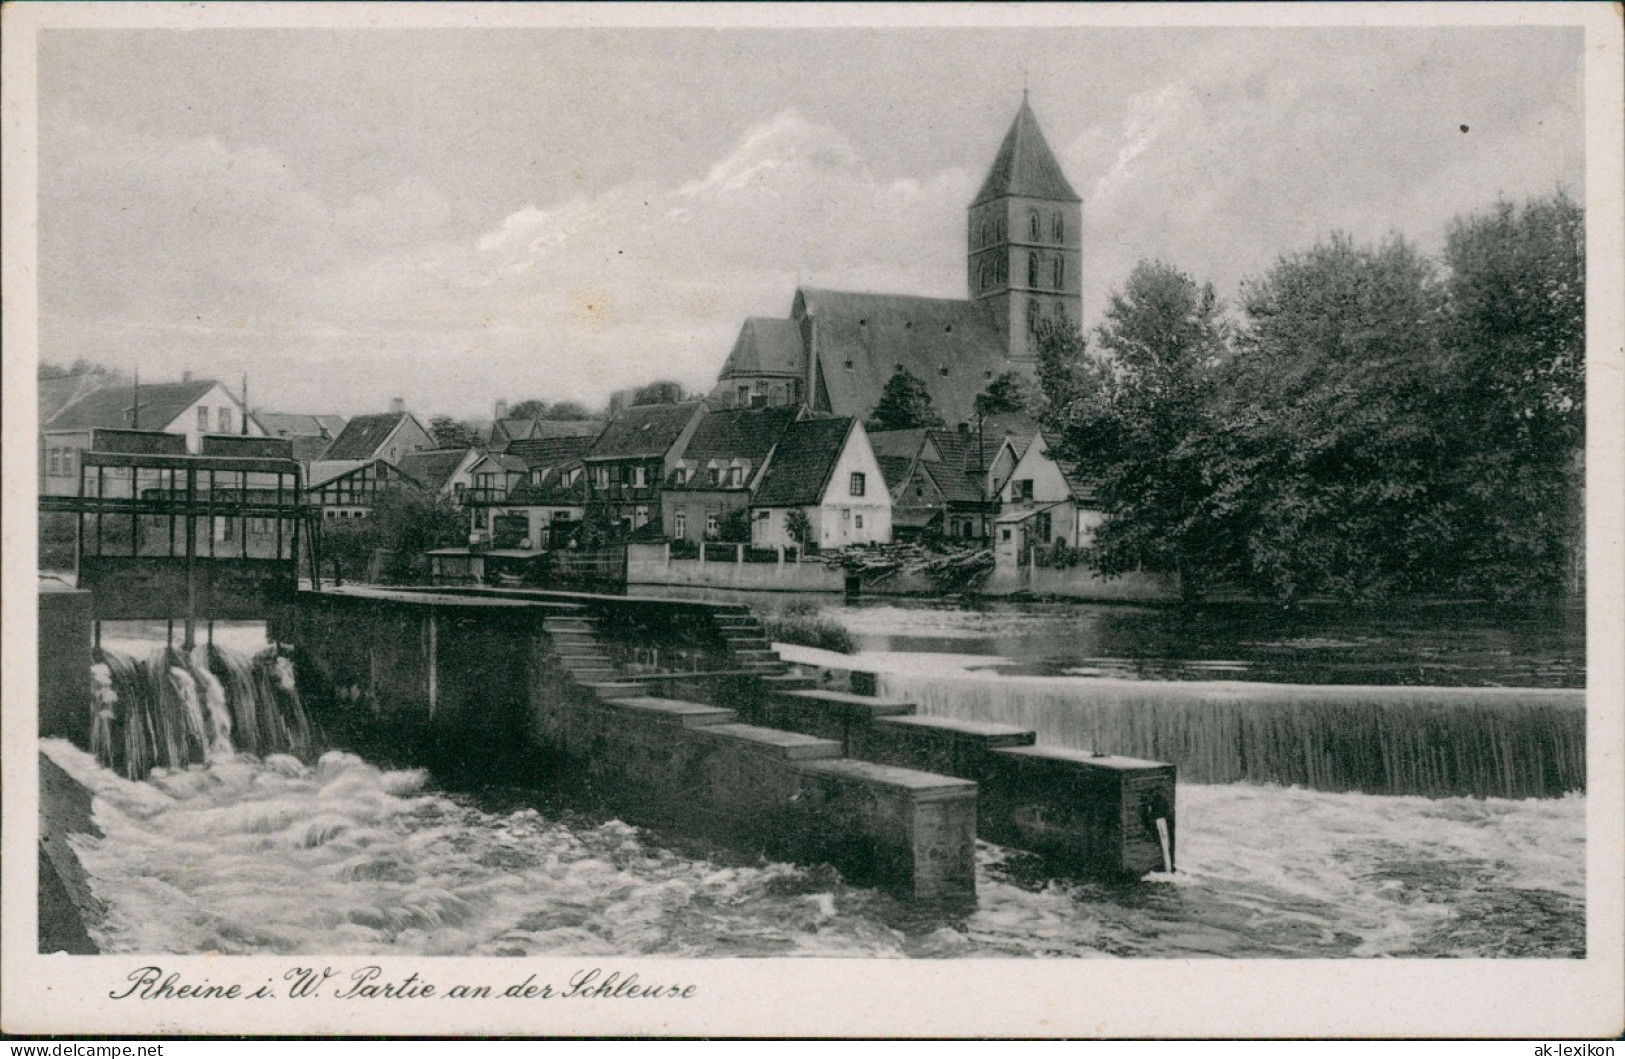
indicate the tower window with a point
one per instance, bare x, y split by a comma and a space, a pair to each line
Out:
1032, 317
944, 372
1032, 225
849, 365
1060, 273
1032, 269
1060, 228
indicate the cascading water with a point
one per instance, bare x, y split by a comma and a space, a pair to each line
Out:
170, 710
1482, 742
1162, 837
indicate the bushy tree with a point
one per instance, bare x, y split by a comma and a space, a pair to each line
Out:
665, 391
798, 526
452, 433
734, 526
570, 410
404, 523
1137, 419
530, 408
905, 403
1005, 394
80, 366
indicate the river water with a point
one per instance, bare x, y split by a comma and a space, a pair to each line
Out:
271, 855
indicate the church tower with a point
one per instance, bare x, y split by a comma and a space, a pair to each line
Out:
1025, 239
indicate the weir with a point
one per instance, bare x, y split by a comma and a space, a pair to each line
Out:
680, 714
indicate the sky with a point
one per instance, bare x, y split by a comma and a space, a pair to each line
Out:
454, 216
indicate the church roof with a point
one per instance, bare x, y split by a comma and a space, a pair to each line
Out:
1025, 166
767, 347
952, 346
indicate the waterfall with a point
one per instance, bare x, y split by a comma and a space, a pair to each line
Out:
170, 710
1481, 742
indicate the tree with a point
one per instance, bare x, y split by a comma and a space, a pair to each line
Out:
905, 403
1137, 419
734, 526
1515, 332
1005, 394
404, 523
665, 391
451, 433
797, 526
571, 410
80, 366
530, 408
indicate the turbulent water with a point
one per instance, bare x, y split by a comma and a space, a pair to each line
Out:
272, 856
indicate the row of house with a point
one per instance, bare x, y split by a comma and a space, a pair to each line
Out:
772, 475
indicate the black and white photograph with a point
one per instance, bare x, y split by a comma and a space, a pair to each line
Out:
1038, 522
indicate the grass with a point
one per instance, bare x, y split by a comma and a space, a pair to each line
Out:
800, 623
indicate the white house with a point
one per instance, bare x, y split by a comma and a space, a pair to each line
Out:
1043, 501
826, 469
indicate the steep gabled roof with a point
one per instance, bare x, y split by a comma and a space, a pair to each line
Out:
956, 486
895, 469
739, 433
1025, 166
433, 468
805, 458
548, 452
161, 404
321, 471
877, 333
904, 444
645, 431
363, 435
299, 425
766, 346
550, 491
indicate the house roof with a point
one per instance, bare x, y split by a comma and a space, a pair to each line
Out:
957, 486
877, 333
307, 447
904, 444
643, 431
321, 471
432, 469
362, 436
894, 468
548, 451
767, 346
161, 404
297, 424
1025, 166
739, 433
805, 458
56, 394
508, 430
501, 459
550, 492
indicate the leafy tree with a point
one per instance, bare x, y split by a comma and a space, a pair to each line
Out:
405, 522
665, 391
1005, 394
798, 526
1515, 331
734, 526
80, 366
1137, 419
530, 408
572, 410
905, 403
451, 433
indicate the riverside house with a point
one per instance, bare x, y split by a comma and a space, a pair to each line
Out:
825, 469
719, 468
630, 461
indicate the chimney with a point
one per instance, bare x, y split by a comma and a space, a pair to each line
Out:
186, 376
502, 410
397, 405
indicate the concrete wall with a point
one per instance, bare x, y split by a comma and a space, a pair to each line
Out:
1079, 582
64, 662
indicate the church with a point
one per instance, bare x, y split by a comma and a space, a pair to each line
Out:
837, 349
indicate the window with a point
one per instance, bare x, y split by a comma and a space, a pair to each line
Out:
640, 516
1032, 317
603, 477
223, 415
859, 522
736, 476
639, 477
1041, 526
202, 418
744, 396
849, 365
1060, 228
715, 475
1032, 225
1004, 534
679, 524
1032, 269
711, 528
846, 514
537, 474
943, 372
1022, 490
856, 486
1060, 273
682, 478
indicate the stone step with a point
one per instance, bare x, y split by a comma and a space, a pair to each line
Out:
774, 742
921, 784
612, 689
673, 711
984, 733
787, 682
600, 674
865, 705
756, 655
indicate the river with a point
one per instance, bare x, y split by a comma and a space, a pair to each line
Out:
270, 855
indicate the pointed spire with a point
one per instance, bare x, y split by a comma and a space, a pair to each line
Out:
1025, 165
